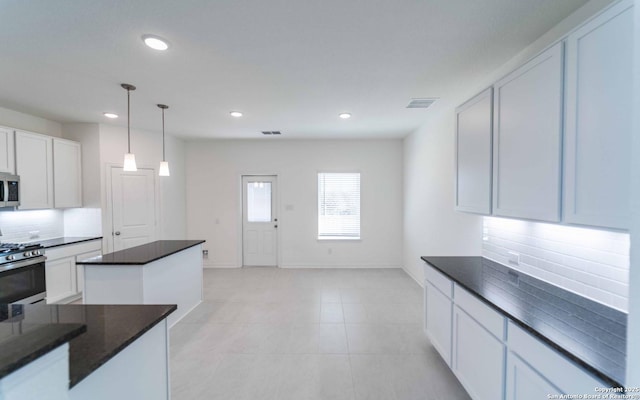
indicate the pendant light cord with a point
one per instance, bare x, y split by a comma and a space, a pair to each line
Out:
128, 121
163, 155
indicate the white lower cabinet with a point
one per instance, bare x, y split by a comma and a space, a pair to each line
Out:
80, 268
525, 383
65, 279
438, 320
478, 354
492, 357
561, 375
61, 279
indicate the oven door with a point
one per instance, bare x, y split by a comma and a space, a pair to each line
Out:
23, 281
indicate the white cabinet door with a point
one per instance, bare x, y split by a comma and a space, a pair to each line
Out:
478, 358
7, 150
67, 173
527, 139
524, 383
473, 154
599, 100
34, 164
438, 308
60, 278
80, 268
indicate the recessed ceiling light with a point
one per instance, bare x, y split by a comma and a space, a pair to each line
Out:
155, 42
110, 115
236, 114
345, 115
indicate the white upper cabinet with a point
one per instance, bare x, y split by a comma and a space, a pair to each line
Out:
67, 173
599, 111
34, 164
528, 138
473, 154
7, 150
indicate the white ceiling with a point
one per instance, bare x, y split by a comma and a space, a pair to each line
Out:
289, 65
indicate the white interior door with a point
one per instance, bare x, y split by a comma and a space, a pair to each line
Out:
133, 207
259, 221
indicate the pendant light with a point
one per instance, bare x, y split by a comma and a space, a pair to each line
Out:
164, 164
129, 157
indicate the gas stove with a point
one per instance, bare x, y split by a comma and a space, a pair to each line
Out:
12, 252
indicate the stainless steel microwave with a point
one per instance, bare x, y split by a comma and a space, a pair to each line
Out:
9, 190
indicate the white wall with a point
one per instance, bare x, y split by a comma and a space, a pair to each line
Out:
431, 227
214, 169
633, 331
147, 146
18, 120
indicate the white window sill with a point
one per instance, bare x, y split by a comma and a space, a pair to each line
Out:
338, 238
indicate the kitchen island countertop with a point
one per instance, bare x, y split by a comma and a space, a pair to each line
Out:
143, 254
96, 333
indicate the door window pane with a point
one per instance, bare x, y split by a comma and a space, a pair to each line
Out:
259, 201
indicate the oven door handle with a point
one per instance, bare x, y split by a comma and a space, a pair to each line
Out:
22, 263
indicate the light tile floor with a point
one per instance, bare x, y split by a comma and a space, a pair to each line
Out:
306, 334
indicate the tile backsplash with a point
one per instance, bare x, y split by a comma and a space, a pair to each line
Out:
22, 226
83, 222
593, 263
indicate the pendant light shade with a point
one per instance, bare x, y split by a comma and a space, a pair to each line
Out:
129, 157
164, 168
164, 164
130, 162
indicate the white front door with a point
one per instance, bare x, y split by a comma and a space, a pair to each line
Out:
259, 221
133, 207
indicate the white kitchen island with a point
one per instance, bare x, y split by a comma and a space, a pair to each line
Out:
160, 272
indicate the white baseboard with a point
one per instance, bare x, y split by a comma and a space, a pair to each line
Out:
214, 266
347, 266
420, 281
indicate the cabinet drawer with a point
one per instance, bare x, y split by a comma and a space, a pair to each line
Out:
72, 250
562, 373
437, 279
485, 315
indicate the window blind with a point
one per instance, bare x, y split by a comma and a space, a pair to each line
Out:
338, 205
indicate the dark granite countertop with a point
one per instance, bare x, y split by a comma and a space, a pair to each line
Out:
63, 241
144, 254
24, 339
589, 333
110, 328
96, 333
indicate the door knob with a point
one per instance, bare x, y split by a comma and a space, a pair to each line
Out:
275, 226
117, 233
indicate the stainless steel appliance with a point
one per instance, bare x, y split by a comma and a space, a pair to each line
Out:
9, 190
22, 274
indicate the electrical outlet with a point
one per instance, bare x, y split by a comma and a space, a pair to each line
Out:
514, 258
205, 253
329, 251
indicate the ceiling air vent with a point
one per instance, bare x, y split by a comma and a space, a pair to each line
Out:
422, 103
271, 132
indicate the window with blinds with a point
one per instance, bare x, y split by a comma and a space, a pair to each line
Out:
338, 206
